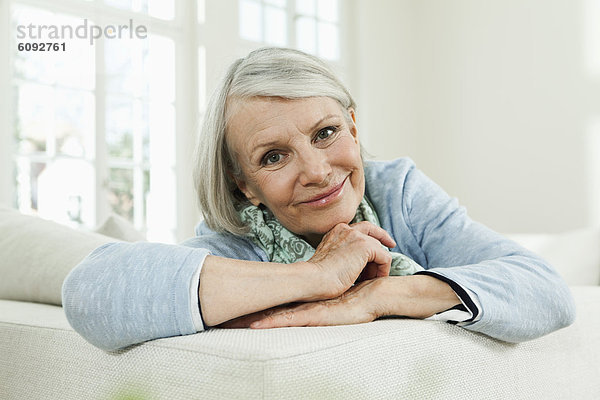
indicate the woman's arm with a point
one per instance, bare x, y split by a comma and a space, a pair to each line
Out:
517, 296
415, 296
127, 293
521, 297
233, 288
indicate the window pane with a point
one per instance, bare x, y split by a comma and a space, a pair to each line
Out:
305, 7
35, 117
119, 126
161, 69
143, 127
27, 184
74, 123
120, 192
277, 3
162, 134
122, 4
125, 66
132, 5
275, 26
328, 10
69, 200
31, 64
73, 67
305, 35
250, 20
146, 189
163, 9
328, 41
162, 208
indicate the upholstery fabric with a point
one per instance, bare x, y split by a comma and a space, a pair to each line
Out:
38, 254
387, 359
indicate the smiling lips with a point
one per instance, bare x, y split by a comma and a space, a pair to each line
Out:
327, 197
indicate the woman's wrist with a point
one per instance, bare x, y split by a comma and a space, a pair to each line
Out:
230, 288
415, 296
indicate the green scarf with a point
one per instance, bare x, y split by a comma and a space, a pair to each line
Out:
283, 246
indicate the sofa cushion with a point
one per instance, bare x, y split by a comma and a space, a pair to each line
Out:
119, 228
38, 254
385, 359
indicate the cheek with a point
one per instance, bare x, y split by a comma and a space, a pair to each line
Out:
272, 188
348, 152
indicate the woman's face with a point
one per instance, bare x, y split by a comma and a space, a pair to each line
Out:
300, 158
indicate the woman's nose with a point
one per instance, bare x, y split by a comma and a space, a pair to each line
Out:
314, 166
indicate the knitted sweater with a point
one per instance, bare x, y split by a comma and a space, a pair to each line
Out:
127, 293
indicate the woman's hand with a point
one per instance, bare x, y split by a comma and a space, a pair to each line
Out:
231, 288
358, 305
349, 251
415, 296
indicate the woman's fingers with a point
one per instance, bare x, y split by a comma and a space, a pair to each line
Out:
352, 307
302, 315
375, 232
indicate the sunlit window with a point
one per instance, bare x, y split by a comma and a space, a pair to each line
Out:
106, 125
264, 21
163, 9
121, 93
314, 27
55, 126
317, 27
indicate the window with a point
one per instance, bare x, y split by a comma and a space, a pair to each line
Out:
317, 29
108, 124
95, 123
264, 21
313, 26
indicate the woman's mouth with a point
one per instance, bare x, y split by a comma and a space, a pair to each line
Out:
328, 196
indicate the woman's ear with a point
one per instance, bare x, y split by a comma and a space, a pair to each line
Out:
352, 126
241, 184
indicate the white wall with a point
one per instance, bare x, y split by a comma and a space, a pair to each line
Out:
498, 101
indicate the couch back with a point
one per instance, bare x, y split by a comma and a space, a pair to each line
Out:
575, 254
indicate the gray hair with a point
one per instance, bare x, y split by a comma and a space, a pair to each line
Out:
266, 72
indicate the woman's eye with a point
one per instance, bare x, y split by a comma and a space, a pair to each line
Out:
272, 158
325, 133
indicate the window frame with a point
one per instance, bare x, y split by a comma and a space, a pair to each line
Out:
215, 39
180, 30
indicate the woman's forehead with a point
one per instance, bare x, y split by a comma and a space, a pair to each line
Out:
261, 111
257, 121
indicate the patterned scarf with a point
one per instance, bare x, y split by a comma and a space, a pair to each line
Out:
283, 246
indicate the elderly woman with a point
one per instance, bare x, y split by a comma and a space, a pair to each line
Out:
300, 231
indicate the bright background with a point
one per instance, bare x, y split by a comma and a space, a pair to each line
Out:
498, 101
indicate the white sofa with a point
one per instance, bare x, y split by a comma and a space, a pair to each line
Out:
41, 357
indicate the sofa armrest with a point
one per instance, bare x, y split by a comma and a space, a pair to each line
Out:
390, 358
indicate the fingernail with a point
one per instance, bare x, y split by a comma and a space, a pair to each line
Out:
255, 324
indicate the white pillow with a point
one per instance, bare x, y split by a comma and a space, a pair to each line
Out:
37, 255
118, 227
574, 254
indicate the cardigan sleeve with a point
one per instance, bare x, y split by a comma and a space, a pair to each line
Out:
521, 296
127, 293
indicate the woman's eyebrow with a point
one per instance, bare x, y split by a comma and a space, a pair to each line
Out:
319, 122
270, 143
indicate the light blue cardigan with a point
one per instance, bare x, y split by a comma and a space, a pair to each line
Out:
127, 293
